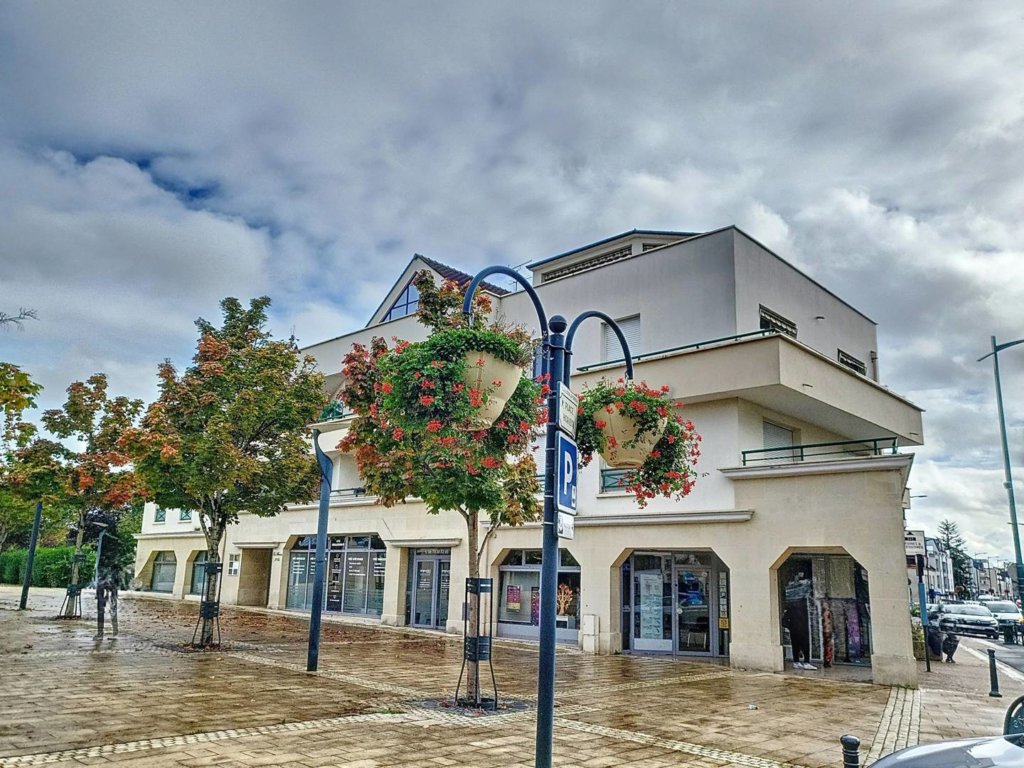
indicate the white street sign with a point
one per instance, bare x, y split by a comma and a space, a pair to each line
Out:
568, 404
914, 542
566, 525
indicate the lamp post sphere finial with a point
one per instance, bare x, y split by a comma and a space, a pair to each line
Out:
558, 324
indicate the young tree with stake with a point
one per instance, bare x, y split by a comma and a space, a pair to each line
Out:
230, 435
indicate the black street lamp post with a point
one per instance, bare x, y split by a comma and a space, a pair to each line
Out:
557, 350
33, 540
326, 468
1008, 477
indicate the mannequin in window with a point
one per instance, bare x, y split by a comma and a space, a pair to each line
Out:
798, 590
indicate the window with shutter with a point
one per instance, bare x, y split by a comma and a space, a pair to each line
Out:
778, 437
610, 347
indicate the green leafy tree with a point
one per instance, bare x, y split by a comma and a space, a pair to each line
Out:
230, 435
17, 394
95, 475
415, 434
949, 532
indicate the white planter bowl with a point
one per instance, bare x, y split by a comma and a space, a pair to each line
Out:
622, 427
482, 370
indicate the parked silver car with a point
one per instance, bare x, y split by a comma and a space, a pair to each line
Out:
962, 619
1005, 611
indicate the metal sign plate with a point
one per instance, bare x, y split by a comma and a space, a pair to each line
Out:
566, 470
566, 525
568, 405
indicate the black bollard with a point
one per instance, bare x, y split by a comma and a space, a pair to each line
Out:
993, 676
851, 751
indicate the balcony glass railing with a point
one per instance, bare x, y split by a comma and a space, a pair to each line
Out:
792, 454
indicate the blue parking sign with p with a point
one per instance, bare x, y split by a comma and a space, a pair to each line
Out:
566, 470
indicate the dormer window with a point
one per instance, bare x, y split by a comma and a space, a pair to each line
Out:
407, 303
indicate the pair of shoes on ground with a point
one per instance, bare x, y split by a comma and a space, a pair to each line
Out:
803, 665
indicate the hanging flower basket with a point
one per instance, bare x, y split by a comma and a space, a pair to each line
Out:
490, 382
637, 428
625, 446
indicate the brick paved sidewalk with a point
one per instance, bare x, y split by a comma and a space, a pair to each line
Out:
68, 699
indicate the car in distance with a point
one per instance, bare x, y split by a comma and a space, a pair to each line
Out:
962, 619
1005, 611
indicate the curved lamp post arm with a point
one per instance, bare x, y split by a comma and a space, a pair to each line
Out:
326, 465
1000, 347
611, 324
467, 303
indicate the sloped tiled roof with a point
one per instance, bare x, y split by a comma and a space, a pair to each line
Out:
460, 277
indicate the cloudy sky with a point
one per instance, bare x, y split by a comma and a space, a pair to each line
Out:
155, 157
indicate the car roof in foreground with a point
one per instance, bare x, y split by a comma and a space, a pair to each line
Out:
993, 751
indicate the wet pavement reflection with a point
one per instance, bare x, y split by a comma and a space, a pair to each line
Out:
138, 698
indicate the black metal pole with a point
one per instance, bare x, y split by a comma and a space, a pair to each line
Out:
851, 751
924, 611
1007, 473
33, 540
993, 676
326, 467
549, 558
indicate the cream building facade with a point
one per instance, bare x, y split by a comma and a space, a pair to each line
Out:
790, 548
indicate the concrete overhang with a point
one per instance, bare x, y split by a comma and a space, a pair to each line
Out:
783, 375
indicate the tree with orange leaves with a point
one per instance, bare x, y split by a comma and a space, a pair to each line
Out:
230, 434
97, 476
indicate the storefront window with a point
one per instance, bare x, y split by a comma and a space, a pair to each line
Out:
826, 614
519, 590
355, 574
676, 603
198, 564
164, 566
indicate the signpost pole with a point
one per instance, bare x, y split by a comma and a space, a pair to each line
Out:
924, 611
549, 558
33, 540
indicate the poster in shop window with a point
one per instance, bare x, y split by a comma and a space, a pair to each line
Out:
650, 606
513, 597
535, 605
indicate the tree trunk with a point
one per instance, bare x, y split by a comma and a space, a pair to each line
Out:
473, 608
211, 593
70, 610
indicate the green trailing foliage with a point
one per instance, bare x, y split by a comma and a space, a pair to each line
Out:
669, 468
412, 436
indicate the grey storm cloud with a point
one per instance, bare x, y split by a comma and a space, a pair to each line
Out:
155, 158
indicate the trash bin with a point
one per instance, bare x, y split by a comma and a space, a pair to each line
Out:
1009, 634
934, 641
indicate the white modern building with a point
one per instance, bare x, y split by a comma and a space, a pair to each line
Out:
790, 547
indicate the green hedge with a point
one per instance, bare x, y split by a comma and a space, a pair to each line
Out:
51, 567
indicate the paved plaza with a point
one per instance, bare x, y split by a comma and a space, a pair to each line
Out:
140, 699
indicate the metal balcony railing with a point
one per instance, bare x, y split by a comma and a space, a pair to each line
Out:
334, 410
670, 350
614, 480
347, 493
792, 454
